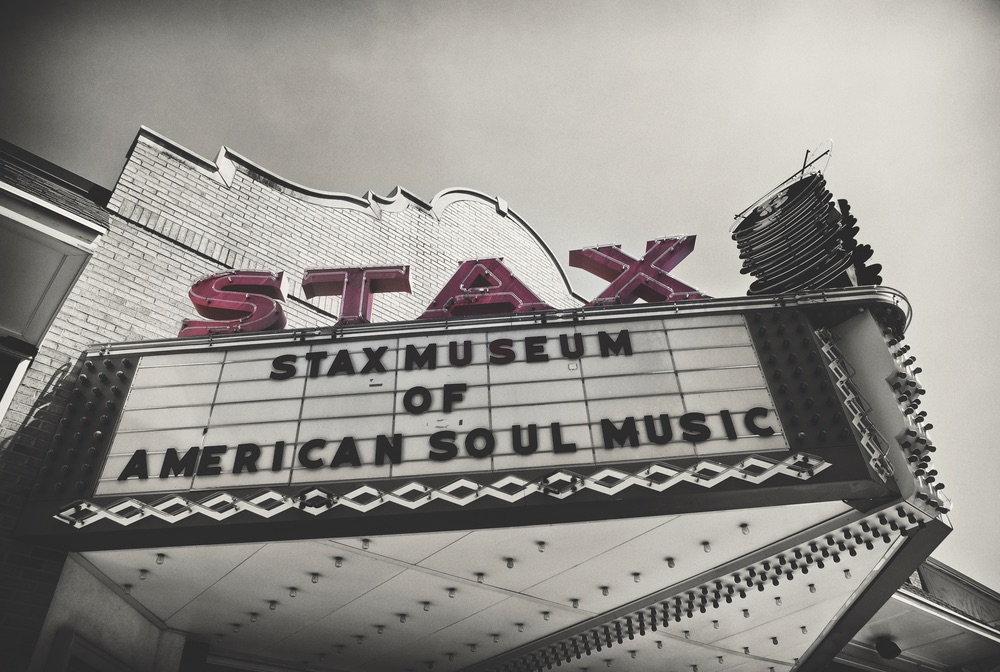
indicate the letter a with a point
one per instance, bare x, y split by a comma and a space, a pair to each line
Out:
483, 287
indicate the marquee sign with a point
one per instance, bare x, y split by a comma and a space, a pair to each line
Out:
521, 419
559, 396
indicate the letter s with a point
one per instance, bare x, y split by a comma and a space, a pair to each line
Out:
236, 301
695, 429
443, 446
283, 367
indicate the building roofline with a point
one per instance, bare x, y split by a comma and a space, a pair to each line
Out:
89, 228
958, 576
57, 174
222, 169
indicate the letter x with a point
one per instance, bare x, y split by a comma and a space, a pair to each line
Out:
356, 286
633, 279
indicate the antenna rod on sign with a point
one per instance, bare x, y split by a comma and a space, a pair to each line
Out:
828, 151
806, 163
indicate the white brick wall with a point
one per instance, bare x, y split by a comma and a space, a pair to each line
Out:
257, 224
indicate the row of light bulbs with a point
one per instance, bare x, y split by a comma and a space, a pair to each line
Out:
914, 439
699, 599
480, 578
451, 592
495, 637
379, 628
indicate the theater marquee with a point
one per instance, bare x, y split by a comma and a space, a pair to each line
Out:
553, 396
564, 415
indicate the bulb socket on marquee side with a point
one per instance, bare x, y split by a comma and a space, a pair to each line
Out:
97, 388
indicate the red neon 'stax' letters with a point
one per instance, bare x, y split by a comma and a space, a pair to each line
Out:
478, 287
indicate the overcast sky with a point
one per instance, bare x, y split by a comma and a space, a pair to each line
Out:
597, 122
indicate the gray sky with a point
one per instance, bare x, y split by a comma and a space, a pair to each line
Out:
597, 122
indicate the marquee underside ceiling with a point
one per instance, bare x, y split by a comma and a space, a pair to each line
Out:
351, 618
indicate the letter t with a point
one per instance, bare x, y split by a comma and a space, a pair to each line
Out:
356, 286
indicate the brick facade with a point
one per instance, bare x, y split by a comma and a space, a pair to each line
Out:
255, 221
175, 218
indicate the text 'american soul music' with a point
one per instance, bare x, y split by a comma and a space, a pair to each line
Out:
345, 453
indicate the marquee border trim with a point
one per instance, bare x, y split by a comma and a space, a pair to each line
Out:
560, 484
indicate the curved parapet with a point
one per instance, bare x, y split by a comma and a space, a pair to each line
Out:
244, 216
